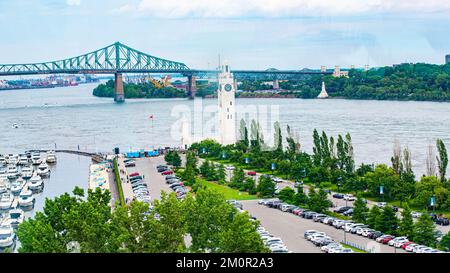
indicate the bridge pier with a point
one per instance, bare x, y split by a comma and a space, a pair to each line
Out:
119, 95
192, 86
276, 84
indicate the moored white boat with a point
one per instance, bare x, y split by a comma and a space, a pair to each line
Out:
27, 172
17, 186
12, 159
13, 172
7, 236
15, 217
43, 170
3, 188
36, 158
23, 159
26, 198
51, 157
6, 200
35, 184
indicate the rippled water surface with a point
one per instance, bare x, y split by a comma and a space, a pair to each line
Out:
71, 117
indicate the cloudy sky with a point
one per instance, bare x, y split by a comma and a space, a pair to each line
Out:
249, 34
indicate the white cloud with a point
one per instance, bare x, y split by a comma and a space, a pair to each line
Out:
123, 9
73, 2
285, 8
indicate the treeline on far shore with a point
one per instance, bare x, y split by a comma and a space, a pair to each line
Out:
418, 82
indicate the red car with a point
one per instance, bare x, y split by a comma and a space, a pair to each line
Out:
167, 172
406, 244
252, 173
297, 211
133, 174
387, 239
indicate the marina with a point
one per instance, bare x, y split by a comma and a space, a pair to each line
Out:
23, 194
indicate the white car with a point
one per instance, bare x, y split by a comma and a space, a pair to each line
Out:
274, 240
424, 250
417, 248
366, 231
277, 180
328, 247
310, 236
416, 214
349, 197
230, 167
345, 250
410, 247
381, 204
402, 239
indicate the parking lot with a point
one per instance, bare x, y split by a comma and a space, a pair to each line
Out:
291, 228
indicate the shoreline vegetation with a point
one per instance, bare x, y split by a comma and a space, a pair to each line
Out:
404, 82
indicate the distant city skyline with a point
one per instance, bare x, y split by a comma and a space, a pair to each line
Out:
249, 34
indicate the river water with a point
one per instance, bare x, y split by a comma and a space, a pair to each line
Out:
71, 118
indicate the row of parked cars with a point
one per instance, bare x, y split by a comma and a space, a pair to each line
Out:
138, 185
326, 244
349, 226
173, 181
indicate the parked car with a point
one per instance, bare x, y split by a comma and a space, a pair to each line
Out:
381, 204
442, 221
252, 173
230, 167
349, 197
133, 174
319, 217
341, 209
396, 240
167, 172
395, 208
330, 246
386, 239
277, 180
348, 212
416, 214
374, 235
338, 196
130, 163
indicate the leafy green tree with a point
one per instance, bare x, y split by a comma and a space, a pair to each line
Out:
176, 160
406, 226
374, 214
266, 187
207, 170
190, 170
318, 201
300, 197
387, 222
442, 159
249, 185
444, 244
237, 179
424, 231
221, 173
360, 210
287, 195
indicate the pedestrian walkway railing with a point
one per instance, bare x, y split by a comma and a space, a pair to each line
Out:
360, 247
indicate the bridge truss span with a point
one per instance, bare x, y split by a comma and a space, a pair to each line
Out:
115, 58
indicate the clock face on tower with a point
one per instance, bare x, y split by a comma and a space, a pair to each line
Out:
228, 87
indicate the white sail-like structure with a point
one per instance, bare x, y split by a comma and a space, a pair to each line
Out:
323, 94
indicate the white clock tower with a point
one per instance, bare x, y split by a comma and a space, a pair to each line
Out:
227, 112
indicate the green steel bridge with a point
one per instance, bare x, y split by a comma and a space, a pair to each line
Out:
118, 59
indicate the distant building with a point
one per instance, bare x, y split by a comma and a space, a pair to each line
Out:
447, 59
337, 72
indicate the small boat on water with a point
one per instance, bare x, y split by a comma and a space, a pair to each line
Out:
36, 184
15, 217
7, 236
13, 172
36, 158
17, 186
12, 159
23, 160
51, 157
43, 170
2, 160
3, 188
6, 200
27, 172
26, 198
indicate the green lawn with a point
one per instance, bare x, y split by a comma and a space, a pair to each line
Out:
228, 192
